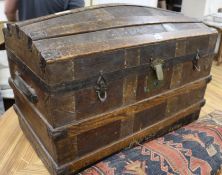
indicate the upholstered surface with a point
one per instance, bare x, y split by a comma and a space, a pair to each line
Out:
193, 149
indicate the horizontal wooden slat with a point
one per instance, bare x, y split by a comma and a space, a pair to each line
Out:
124, 112
101, 24
53, 51
120, 114
101, 6
90, 82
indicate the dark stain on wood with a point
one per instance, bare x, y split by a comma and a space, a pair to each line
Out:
88, 141
148, 117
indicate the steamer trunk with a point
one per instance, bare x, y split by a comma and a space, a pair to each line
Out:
92, 81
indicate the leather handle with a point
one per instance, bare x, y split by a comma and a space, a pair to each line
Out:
25, 88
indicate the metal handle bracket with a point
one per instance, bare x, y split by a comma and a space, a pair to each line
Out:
196, 66
101, 88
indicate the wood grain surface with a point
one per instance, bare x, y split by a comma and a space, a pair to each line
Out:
18, 158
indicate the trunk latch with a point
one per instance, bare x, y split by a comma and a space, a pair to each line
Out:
196, 65
101, 88
157, 65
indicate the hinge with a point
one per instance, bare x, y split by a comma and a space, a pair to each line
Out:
57, 135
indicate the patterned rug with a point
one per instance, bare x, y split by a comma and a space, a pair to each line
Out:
195, 149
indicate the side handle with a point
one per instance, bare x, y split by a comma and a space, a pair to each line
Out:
157, 66
25, 88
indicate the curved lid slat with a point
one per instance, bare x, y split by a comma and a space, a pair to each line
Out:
71, 51
84, 27
102, 28
99, 19
101, 6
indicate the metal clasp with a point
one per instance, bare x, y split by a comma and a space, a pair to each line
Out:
157, 65
101, 88
196, 65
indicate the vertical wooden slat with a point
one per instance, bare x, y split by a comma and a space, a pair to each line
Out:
176, 77
129, 89
212, 42
127, 126
132, 58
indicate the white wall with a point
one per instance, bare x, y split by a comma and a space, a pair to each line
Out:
200, 8
2, 15
212, 6
152, 3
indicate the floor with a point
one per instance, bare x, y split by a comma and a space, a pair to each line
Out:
214, 91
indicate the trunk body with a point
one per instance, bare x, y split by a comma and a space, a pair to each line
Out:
94, 80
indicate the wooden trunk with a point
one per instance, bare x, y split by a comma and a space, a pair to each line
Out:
92, 81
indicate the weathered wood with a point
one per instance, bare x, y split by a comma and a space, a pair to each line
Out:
62, 100
101, 6
98, 18
184, 117
124, 69
105, 77
117, 37
141, 115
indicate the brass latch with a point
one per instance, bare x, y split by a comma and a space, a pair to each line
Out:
157, 65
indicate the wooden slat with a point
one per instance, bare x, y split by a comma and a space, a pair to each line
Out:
81, 126
52, 50
120, 114
78, 84
101, 6
98, 25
